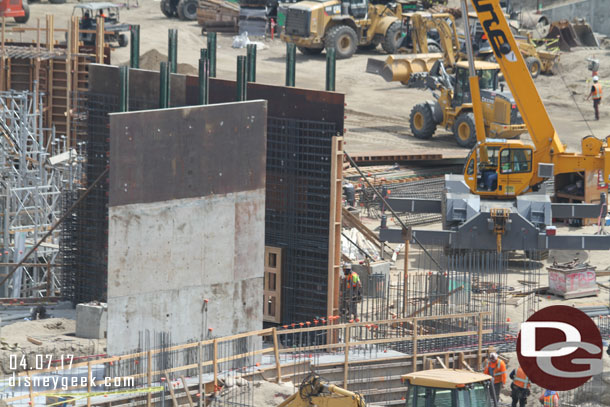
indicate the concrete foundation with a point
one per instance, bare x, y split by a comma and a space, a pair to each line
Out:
91, 321
595, 12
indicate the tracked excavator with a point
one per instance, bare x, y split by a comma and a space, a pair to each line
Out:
499, 201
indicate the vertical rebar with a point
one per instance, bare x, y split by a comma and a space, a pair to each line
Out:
241, 78
134, 55
164, 86
331, 60
172, 49
251, 55
204, 77
212, 53
291, 55
124, 85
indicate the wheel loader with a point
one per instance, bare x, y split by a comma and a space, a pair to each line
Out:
452, 107
183, 9
344, 26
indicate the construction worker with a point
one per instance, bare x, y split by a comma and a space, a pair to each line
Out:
520, 387
496, 368
596, 94
352, 292
549, 399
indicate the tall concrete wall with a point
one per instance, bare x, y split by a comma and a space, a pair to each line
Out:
186, 222
595, 12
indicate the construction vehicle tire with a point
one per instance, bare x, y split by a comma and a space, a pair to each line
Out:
122, 40
434, 49
343, 39
368, 47
166, 8
26, 17
187, 9
310, 51
393, 37
534, 66
464, 130
422, 121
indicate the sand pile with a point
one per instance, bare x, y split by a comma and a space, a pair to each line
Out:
153, 58
269, 394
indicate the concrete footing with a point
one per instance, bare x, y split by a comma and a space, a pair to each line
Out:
91, 320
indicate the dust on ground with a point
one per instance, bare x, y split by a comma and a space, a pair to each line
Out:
57, 336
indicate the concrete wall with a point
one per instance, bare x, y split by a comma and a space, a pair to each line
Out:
186, 222
595, 12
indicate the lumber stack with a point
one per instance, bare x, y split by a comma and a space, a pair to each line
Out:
218, 16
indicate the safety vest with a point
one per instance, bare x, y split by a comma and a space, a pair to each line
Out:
352, 280
496, 369
597, 91
551, 400
521, 379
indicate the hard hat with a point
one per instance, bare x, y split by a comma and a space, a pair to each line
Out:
595, 78
493, 356
347, 267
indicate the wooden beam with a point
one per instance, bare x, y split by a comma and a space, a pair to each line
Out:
276, 351
186, 390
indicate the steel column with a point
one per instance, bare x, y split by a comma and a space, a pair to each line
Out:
172, 50
251, 62
241, 78
134, 56
331, 60
212, 53
204, 77
291, 54
164, 86
124, 85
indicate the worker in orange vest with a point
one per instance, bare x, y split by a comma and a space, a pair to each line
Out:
496, 368
520, 387
596, 94
352, 292
549, 399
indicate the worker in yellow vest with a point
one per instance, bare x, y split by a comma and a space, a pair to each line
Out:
549, 399
520, 387
596, 94
496, 368
352, 292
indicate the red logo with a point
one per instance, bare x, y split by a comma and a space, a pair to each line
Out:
560, 348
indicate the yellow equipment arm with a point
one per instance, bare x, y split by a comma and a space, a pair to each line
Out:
314, 392
519, 80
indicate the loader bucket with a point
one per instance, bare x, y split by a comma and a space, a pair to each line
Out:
374, 66
585, 33
571, 35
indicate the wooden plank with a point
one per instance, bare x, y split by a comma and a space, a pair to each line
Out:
276, 351
186, 391
215, 362
414, 367
334, 234
346, 361
171, 391
480, 343
440, 361
149, 377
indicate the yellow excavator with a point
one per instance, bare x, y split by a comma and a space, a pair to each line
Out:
314, 391
509, 168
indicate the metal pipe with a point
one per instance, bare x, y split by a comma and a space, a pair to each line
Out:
164, 86
124, 85
291, 54
241, 78
204, 78
331, 60
251, 62
172, 49
212, 53
134, 55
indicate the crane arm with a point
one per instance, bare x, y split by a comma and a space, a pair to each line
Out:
519, 80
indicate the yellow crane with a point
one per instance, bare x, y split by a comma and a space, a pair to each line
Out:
509, 168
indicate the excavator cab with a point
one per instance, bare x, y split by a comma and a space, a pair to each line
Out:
488, 80
447, 388
500, 168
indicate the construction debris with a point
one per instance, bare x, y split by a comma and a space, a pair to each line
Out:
218, 16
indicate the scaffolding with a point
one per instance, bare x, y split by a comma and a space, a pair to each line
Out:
36, 165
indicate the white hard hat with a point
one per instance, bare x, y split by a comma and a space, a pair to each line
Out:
595, 78
493, 356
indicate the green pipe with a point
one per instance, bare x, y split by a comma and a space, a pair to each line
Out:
172, 50
291, 54
242, 84
134, 56
164, 86
212, 53
251, 53
331, 60
124, 85
204, 80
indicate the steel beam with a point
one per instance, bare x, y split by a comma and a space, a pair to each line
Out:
415, 205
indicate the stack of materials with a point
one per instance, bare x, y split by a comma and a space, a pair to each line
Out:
218, 16
253, 17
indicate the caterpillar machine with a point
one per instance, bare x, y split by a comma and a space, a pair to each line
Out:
499, 202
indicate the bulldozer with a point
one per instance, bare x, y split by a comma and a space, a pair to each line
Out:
345, 26
448, 387
452, 107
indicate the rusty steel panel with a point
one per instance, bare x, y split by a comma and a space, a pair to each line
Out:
284, 102
158, 155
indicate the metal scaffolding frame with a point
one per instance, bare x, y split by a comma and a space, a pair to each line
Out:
36, 166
